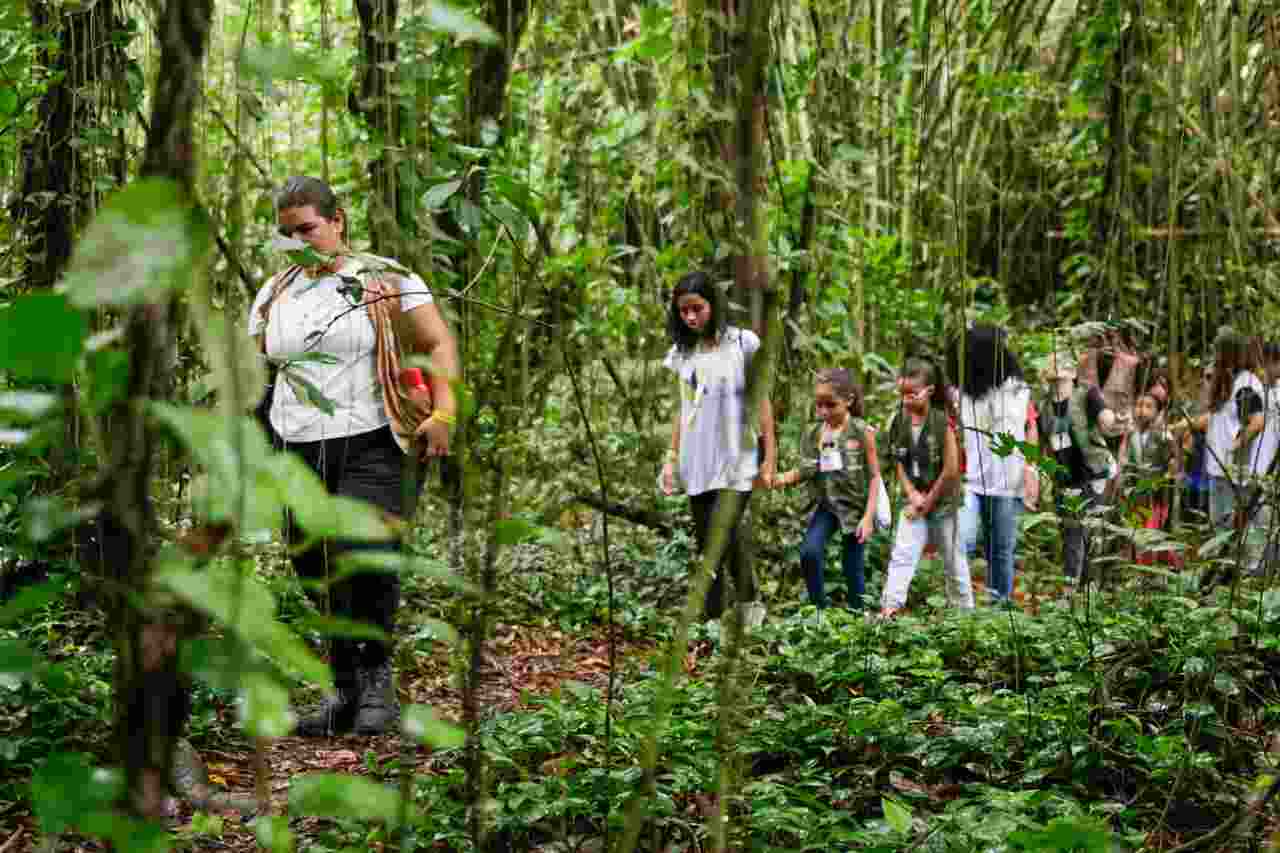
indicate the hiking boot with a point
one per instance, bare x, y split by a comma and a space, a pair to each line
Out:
336, 712
378, 708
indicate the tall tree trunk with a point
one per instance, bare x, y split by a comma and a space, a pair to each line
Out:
376, 103
52, 200
151, 697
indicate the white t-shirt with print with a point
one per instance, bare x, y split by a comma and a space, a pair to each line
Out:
1000, 410
312, 315
1224, 425
1263, 451
714, 453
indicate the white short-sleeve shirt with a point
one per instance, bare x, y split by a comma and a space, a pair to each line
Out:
1000, 410
714, 452
1224, 424
322, 315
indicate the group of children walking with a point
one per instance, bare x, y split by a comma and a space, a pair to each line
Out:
955, 453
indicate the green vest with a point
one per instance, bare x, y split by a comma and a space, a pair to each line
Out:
846, 490
1090, 441
922, 458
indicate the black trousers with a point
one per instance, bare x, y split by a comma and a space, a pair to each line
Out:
736, 554
370, 467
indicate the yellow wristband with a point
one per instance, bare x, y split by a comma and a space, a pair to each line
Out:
441, 416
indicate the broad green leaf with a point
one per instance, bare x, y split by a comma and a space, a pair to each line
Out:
346, 797
235, 364
142, 244
449, 19
313, 357
30, 598
28, 404
42, 518
322, 514
306, 391
420, 723
264, 706
8, 101
67, 787
237, 461
513, 531
241, 603
897, 815
274, 833
394, 562
434, 198
17, 661
107, 378
42, 337
334, 626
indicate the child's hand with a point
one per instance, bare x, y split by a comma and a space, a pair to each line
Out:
668, 479
919, 505
863, 532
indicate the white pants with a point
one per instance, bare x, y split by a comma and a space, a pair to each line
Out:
908, 546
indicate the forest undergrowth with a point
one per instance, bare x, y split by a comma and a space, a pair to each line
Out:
1137, 717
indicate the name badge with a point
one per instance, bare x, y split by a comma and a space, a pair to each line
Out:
1061, 441
831, 460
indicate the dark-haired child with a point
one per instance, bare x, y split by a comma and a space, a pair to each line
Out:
1147, 458
838, 460
925, 454
713, 445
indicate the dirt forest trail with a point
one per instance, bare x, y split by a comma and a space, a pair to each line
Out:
522, 663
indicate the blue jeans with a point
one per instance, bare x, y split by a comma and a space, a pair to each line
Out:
998, 517
813, 554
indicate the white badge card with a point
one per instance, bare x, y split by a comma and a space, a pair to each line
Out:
1061, 441
830, 459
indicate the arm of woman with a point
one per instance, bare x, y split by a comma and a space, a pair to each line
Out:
769, 437
868, 523
425, 331
1030, 474
673, 454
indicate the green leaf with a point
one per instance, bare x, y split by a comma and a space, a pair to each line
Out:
30, 598
467, 27
334, 626
394, 562
42, 518
346, 797
513, 531
28, 404
143, 243
67, 787
897, 815
274, 833
435, 198
322, 514
281, 62
241, 603
264, 706
236, 366
8, 101
42, 337
420, 723
16, 660
306, 391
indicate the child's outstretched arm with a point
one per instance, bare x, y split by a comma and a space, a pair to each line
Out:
868, 523
767, 434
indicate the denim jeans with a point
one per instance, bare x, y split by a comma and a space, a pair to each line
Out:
813, 554
938, 529
997, 515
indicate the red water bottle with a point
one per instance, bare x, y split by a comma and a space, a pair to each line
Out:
419, 391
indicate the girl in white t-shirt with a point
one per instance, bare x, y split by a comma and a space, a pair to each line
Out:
713, 449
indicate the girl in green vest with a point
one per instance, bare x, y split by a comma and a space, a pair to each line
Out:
925, 455
838, 460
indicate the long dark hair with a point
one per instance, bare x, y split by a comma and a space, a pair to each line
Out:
926, 372
1233, 353
987, 362
842, 382
699, 284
